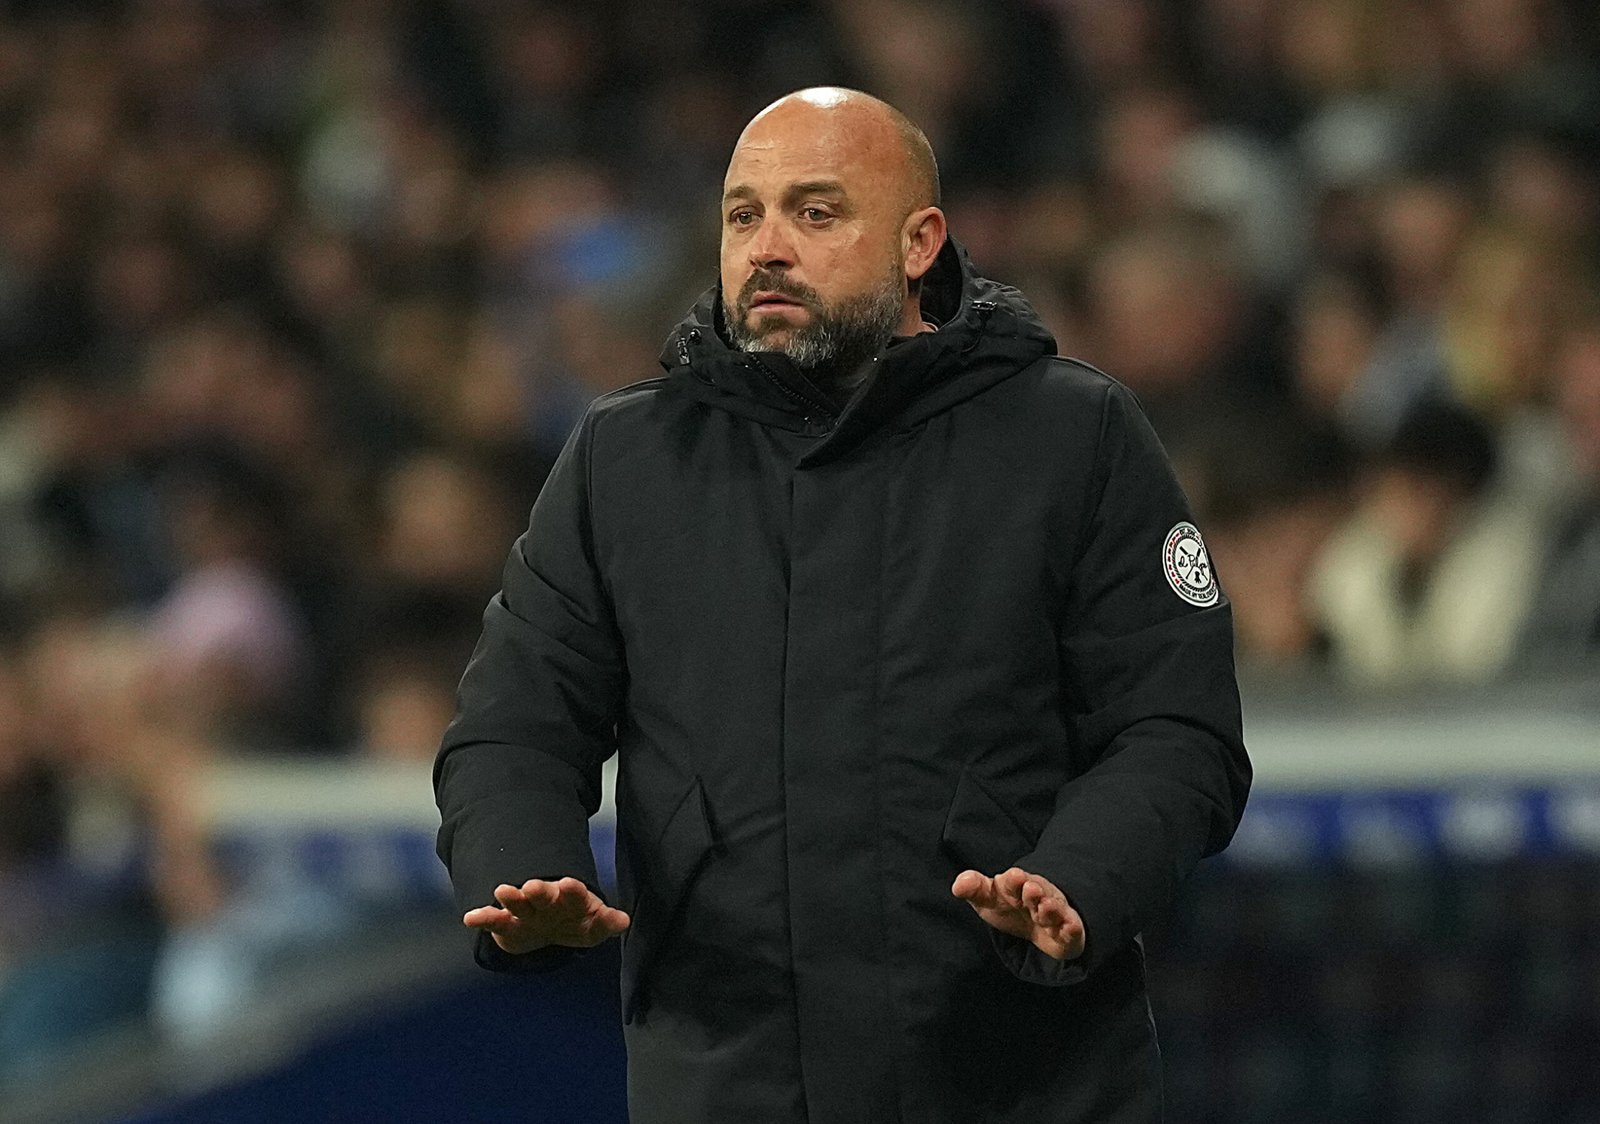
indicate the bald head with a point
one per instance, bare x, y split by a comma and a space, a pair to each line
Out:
858, 119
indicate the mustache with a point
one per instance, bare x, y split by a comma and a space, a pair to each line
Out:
771, 281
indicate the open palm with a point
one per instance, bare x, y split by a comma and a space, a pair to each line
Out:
1027, 906
538, 913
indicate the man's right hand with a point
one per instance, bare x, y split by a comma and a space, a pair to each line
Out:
539, 913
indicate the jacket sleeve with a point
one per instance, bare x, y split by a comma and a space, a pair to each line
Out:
1149, 679
518, 773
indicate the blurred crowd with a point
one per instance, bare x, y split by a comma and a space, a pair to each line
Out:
299, 300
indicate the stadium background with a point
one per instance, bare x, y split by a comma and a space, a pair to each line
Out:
298, 301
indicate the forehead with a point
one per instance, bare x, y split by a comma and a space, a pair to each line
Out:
789, 148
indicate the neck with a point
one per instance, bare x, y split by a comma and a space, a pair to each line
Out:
911, 321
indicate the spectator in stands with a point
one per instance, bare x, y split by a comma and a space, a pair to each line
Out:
406, 699
1430, 581
38, 1013
110, 819
1417, 229
1167, 312
1563, 630
33, 820
227, 640
1510, 295
1337, 321
428, 570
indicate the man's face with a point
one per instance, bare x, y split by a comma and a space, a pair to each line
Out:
812, 261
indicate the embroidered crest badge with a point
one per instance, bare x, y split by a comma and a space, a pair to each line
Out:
1188, 566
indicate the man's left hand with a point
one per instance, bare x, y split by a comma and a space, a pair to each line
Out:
1027, 906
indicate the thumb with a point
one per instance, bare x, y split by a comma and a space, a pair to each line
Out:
971, 885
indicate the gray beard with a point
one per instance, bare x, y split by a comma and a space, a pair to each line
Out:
832, 349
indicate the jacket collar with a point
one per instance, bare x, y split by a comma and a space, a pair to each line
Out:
986, 333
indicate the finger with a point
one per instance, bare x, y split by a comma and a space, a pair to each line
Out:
1043, 899
486, 917
974, 887
523, 904
1049, 914
577, 903
1011, 921
1063, 940
510, 897
611, 920
1008, 886
571, 894
567, 897
538, 892
1067, 942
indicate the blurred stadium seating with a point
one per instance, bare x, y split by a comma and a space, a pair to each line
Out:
299, 300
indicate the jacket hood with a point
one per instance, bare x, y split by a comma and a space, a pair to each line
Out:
986, 332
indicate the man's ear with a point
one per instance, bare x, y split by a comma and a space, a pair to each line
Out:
921, 238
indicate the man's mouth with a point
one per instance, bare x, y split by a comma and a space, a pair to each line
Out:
772, 302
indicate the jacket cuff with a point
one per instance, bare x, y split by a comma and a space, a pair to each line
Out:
1099, 928
491, 956
1028, 964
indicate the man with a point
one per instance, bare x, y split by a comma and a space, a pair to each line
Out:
920, 683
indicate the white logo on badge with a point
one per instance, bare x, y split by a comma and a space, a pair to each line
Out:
1188, 566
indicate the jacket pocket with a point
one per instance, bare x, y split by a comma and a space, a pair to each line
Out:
664, 875
980, 831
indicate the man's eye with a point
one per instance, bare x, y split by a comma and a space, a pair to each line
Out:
815, 214
742, 217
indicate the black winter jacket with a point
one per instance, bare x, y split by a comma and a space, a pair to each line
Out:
843, 657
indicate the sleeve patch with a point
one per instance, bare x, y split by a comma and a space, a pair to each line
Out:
1188, 566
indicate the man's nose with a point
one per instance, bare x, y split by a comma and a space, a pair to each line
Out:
772, 248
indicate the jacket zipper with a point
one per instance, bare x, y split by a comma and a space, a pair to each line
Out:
804, 399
